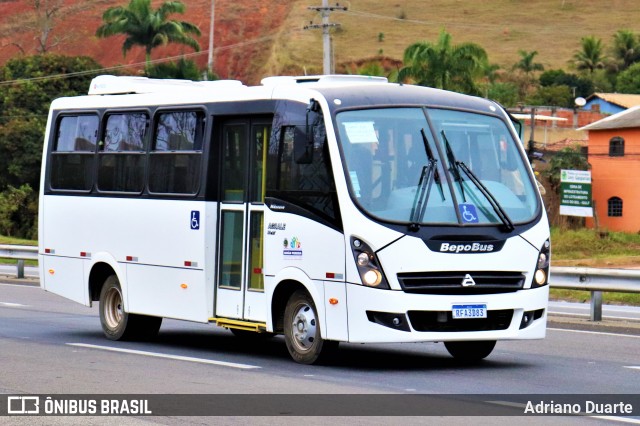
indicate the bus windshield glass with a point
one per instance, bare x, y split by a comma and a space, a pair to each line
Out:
435, 166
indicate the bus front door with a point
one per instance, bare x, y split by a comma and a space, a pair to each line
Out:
240, 281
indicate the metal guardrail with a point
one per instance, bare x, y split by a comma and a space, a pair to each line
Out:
21, 253
595, 280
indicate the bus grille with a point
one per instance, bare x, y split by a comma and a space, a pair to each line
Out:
450, 282
441, 321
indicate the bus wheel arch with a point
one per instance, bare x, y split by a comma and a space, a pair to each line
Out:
116, 322
279, 301
98, 276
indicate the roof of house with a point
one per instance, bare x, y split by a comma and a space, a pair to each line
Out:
623, 100
626, 119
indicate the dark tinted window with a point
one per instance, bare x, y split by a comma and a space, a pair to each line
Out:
176, 155
122, 157
72, 160
309, 185
614, 207
616, 147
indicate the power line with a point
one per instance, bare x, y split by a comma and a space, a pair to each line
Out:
141, 64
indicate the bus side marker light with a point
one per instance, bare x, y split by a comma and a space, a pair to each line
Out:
183, 286
333, 301
52, 271
189, 263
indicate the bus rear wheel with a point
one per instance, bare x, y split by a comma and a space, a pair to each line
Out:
302, 331
116, 323
470, 352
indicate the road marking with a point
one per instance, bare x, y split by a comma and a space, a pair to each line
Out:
160, 355
595, 332
632, 367
12, 305
21, 285
618, 419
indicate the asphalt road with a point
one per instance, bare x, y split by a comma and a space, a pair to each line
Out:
49, 345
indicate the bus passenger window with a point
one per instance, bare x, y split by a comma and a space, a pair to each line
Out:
122, 160
176, 153
73, 156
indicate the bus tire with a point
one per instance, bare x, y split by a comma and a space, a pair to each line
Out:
302, 331
116, 323
470, 352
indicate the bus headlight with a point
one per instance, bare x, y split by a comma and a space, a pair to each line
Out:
367, 263
541, 276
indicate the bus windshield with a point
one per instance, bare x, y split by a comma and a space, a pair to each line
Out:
435, 166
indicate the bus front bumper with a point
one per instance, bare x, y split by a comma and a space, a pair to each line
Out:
379, 316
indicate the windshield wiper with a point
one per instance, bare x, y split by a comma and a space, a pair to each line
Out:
489, 196
432, 158
454, 164
457, 165
427, 176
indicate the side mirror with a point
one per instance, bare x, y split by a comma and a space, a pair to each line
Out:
302, 149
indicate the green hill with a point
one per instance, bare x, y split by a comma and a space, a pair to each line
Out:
551, 27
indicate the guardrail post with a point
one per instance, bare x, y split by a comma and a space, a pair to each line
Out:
20, 268
596, 305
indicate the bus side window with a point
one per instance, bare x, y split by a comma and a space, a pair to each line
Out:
122, 159
176, 153
308, 185
72, 159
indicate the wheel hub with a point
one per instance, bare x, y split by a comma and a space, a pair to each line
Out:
304, 327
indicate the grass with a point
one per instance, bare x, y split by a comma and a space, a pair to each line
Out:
553, 28
586, 247
17, 241
20, 242
611, 298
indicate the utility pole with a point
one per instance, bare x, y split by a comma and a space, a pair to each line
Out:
210, 59
325, 11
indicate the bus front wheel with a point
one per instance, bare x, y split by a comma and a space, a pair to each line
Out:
302, 330
470, 352
116, 323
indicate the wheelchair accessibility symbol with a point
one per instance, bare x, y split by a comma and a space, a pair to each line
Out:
195, 219
468, 213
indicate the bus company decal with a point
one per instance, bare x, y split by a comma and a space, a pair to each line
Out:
273, 227
292, 248
464, 247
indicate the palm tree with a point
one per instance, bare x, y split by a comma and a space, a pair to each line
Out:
444, 65
626, 48
146, 27
591, 56
526, 63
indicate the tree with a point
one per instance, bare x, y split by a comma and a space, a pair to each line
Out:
526, 64
579, 86
556, 95
444, 65
629, 80
570, 158
146, 27
626, 49
183, 69
591, 55
25, 96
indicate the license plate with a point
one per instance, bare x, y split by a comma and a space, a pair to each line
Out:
468, 311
